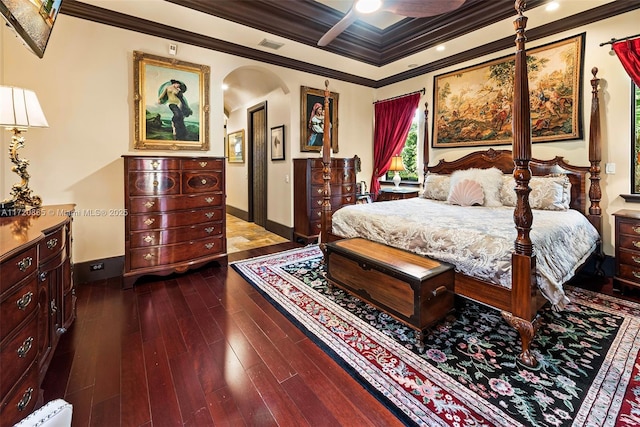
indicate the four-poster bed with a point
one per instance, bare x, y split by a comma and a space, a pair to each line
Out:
520, 300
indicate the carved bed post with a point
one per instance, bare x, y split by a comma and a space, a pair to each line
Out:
523, 315
425, 142
595, 156
325, 226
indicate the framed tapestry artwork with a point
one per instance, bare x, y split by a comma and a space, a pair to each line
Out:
235, 147
277, 143
171, 103
312, 116
472, 106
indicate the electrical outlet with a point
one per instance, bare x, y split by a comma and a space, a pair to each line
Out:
96, 266
610, 168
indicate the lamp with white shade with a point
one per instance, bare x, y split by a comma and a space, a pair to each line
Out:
19, 110
396, 166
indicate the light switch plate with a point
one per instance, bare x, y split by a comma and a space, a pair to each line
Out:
610, 168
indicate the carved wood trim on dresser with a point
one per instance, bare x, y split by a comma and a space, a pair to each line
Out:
37, 303
175, 214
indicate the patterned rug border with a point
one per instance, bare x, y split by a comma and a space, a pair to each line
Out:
399, 400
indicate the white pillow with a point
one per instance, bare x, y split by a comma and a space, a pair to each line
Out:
489, 179
551, 192
436, 187
466, 193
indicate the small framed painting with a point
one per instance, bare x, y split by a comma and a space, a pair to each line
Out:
277, 143
312, 119
235, 147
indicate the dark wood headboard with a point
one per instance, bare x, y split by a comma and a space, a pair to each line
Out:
503, 160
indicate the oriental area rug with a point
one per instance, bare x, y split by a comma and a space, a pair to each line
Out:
467, 373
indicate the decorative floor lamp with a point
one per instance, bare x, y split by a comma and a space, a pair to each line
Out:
19, 110
396, 166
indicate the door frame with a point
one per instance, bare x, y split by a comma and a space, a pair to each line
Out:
250, 148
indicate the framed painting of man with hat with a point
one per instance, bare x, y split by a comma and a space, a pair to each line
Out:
313, 116
171, 103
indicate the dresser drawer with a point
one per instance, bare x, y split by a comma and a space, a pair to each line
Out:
17, 268
175, 235
201, 181
173, 203
170, 254
154, 183
52, 244
629, 242
202, 164
153, 164
22, 400
18, 306
17, 353
154, 221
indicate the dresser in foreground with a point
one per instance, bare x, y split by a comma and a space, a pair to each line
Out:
175, 214
37, 303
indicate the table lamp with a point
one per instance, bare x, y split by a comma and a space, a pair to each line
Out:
19, 110
396, 166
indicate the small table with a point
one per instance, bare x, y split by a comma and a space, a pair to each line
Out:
400, 193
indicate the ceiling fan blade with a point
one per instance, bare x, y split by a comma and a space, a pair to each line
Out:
342, 25
421, 8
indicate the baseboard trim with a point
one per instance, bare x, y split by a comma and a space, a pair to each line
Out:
238, 213
274, 227
113, 267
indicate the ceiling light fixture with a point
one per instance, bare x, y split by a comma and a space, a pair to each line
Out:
551, 6
225, 86
368, 6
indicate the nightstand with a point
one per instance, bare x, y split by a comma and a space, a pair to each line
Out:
387, 194
627, 248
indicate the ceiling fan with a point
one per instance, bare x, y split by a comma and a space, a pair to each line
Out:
407, 8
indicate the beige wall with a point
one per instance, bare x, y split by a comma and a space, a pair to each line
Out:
85, 85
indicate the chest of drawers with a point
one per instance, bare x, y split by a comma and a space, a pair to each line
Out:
396, 194
308, 196
175, 214
627, 248
37, 303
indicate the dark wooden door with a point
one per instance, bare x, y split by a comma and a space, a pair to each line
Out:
257, 158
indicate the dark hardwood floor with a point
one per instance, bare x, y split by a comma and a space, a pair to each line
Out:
203, 348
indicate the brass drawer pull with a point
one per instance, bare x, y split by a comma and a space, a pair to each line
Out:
209, 229
209, 199
148, 239
204, 181
319, 202
349, 199
636, 244
25, 347
209, 245
155, 164
149, 221
26, 398
209, 214
203, 164
147, 257
149, 203
319, 190
349, 188
636, 259
636, 274
25, 263
156, 183
54, 307
24, 301
52, 243
636, 229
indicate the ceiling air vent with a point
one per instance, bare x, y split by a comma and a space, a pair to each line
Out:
271, 44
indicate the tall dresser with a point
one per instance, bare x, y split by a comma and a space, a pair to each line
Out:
37, 303
175, 214
308, 187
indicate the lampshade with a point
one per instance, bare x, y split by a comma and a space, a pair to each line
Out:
396, 164
19, 108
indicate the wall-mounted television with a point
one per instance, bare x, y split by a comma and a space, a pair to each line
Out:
32, 20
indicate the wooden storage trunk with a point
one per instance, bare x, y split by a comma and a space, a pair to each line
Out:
416, 290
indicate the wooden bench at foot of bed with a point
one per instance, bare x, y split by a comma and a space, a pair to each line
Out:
415, 290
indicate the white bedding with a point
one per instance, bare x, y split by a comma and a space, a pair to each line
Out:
478, 241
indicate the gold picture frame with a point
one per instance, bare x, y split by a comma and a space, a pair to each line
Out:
472, 106
235, 147
171, 103
310, 119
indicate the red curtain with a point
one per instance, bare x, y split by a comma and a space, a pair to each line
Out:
628, 52
392, 123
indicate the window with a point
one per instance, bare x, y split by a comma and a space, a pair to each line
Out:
409, 154
635, 187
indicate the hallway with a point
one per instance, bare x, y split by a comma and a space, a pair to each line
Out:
243, 235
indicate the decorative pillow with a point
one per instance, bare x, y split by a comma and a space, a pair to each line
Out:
551, 192
436, 187
489, 179
466, 193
